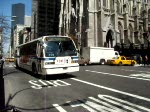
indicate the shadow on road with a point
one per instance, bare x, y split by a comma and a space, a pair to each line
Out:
11, 72
13, 108
4, 108
48, 77
58, 76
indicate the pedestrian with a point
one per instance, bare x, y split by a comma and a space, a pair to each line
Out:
140, 60
145, 60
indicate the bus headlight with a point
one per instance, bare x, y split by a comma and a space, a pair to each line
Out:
74, 61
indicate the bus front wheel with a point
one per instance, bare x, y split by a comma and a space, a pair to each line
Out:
34, 69
17, 66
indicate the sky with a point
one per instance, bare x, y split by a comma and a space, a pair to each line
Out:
5, 10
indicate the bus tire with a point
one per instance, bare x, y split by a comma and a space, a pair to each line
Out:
17, 66
34, 69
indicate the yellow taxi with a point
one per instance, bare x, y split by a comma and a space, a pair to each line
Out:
121, 60
9, 59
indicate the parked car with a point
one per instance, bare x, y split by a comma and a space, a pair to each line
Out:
122, 60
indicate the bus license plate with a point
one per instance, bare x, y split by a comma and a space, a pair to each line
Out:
63, 60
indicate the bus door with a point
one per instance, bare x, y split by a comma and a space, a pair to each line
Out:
39, 53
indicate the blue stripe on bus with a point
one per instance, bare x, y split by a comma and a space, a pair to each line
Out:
75, 57
47, 58
35, 57
52, 58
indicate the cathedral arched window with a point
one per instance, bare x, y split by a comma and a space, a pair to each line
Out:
131, 33
120, 28
99, 4
121, 6
118, 6
105, 3
130, 9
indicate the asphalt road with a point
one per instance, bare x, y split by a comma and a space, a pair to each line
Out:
94, 88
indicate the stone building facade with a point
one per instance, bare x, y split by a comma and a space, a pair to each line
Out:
122, 24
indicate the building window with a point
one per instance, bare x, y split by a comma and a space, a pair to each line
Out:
131, 34
145, 1
105, 3
99, 4
120, 28
118, 6
130, 9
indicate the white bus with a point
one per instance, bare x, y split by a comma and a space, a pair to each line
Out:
48, 55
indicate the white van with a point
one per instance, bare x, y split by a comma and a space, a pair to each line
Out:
97, 55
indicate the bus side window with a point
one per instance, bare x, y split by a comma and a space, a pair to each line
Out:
41, 54
39, 51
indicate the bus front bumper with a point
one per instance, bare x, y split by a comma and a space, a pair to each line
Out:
60, 70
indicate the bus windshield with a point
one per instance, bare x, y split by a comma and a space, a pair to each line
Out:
60, 47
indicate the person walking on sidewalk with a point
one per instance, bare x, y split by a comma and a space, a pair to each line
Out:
145, 60
139, 59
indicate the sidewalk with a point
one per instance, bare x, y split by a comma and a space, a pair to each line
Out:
141, 65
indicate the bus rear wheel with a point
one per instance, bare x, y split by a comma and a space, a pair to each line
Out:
34, 70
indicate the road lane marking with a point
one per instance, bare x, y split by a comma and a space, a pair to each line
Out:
113, 90
143, 75
80, 103
114, 103
131, 77
120, 102
106, 104
39, 84
102, 103
59, 108
136, 71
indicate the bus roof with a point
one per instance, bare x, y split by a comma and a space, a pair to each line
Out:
41, 38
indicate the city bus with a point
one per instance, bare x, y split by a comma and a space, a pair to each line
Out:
48, 55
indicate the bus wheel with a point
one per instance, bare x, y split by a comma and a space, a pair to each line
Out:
17, 67
34, 69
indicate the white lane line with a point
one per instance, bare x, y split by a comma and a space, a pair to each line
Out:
136, 71
117, 75
106, 104
114, 90
59, 108
119, 102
